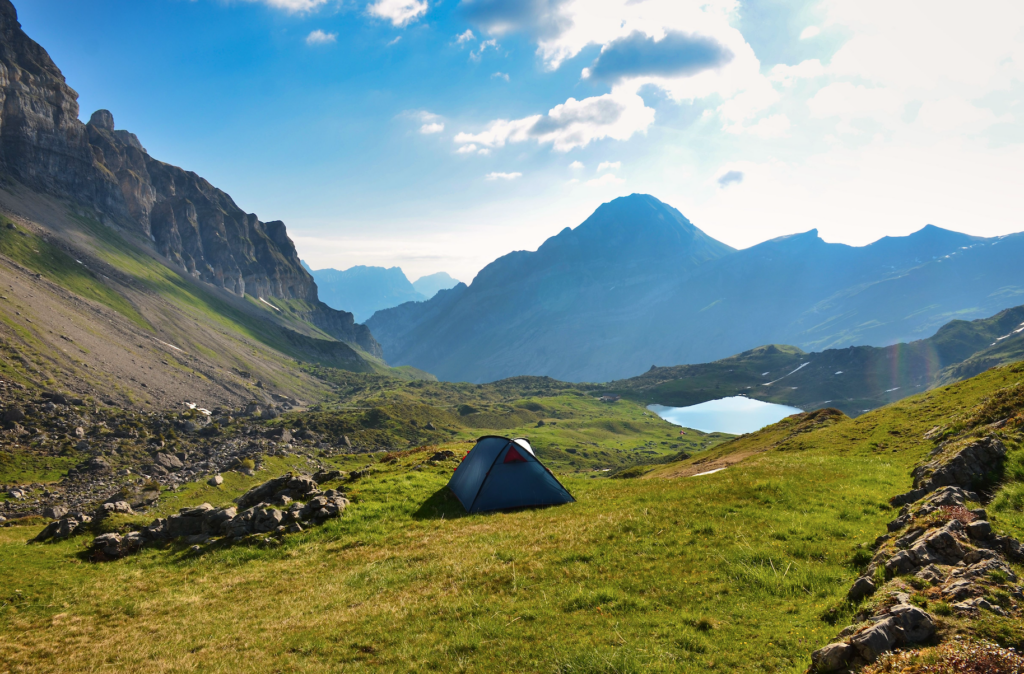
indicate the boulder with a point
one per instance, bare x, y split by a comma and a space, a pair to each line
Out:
98, 463
875, 640
831, 658
14, 414
215, 481
188, 521
55, 512
118, 507
967, 468
214, 520
915, 624
168, 462
108, 544
862, 587
979, 530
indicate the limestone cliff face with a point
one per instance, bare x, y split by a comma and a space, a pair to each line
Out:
198, 228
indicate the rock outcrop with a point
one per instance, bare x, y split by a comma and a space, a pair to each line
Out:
197, 228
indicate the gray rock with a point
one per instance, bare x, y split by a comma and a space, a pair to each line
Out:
931, 574
831, 658
118, 507
14, 414
875, 640
979, 530
862, 587
215, 481
168, 462
108, 544
915, 624
214, 521
968, 467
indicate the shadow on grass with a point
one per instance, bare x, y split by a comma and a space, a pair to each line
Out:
442, 504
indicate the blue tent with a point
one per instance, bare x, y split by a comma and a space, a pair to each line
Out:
501, 473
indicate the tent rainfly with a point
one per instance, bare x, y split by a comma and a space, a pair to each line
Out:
501, 473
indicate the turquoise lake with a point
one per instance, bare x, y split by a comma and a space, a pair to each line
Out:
735, 415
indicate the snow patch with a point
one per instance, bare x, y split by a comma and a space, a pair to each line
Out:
710, 472
269, 304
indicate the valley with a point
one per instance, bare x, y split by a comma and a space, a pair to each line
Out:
214, 458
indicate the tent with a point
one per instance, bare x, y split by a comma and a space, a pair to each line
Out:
502, 473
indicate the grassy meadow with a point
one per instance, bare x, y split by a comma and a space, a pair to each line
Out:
745, 570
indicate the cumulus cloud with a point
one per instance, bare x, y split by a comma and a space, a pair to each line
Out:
809, 32
729, 178
502, 176
676, 54
500, 76
855, 101
538, 18
576, 165
609, 165
571, 124
467, 149
432, 127
465, 37
774, 126
606, 179
320, 37
399, 12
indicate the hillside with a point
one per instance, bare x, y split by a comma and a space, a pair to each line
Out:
855, 379
136, 281
743, 570
639, 284
365, 290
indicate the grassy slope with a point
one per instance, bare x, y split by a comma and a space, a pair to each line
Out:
744, 570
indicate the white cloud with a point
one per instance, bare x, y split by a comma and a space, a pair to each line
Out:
394, 42
320, 37
606, 179
856, 101
571, 124
293, 6
609, 165
950, 115
398, 12
465, 37
787, 75
500, 76
576, 165
774, 126
432, 127
478, 54
809, 32
503, 176
467, 149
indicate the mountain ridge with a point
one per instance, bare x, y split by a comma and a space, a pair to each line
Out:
641, 300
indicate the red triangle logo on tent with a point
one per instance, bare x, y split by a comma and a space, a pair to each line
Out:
513, 456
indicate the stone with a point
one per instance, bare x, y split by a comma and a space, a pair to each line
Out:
979, 530
862, 587
83, 446
931, 574
98, 463
168, 462
831, 658
188, 521
970, 466
214, 521
900, 563
958, 590
117, 507
14, 414
215, 481
269, 414
79, 432
875, 640
915, 624
328, 475
108, 544
267, 520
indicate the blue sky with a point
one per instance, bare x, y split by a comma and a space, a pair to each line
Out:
440, 135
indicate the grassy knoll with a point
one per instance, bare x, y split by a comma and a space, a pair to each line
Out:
743, 570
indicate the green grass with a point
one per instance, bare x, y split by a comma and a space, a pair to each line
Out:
745, 570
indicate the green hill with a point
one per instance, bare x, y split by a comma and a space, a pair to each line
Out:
855, 379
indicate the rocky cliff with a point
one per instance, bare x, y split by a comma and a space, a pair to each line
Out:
196, 227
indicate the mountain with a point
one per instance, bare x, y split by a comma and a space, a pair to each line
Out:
855, 380
428, 286
530, 312
364, 290
138, 281
637, 284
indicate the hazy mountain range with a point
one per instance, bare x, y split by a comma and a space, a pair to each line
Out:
365, 290
638, 284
